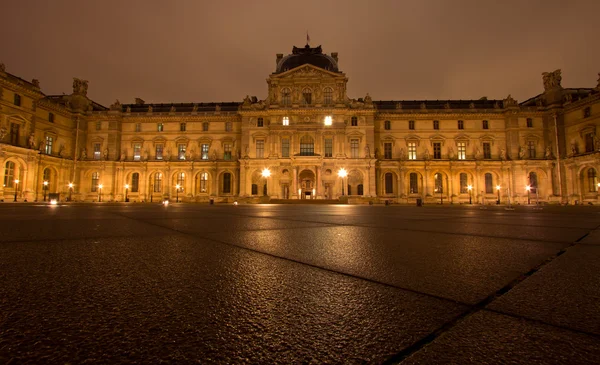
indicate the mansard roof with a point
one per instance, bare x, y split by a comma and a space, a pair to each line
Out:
307, 55
438, 104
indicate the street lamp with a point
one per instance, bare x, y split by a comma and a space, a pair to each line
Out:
342, 173
45, 188
498, 189
16, 188
528, 188
70, 190
469, 187
177, 193
99, 192
266, 173
126, 191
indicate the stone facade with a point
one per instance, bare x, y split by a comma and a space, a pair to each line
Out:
304, 132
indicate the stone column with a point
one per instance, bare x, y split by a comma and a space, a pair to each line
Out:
317, 182
295, 192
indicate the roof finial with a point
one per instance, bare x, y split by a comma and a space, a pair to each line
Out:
307, 38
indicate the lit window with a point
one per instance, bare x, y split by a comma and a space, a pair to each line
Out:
227, 151
181, 151
412, 150
592, 180
328, 120
159, 127
462, 150
9, 174
204, 152
159, 151
438, 183
157, 182
203, 182
95, 181
49, 142
181, 180
97, 151
137, 149
286, 121
464, 183
413, 183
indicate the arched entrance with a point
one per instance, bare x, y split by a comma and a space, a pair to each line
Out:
306, 184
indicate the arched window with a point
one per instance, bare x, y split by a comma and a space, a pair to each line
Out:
592, 180
9, 174
254, 189
135, 182
414, 183
181, 180
439, 183
307, 146
286, 96
360, 189
533, 182
389, 183
203, 182
489, 183
158, 182
95, 181
226, 183
328, 96
354, 121
306, 96
464, 183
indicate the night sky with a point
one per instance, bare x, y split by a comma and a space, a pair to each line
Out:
203, 51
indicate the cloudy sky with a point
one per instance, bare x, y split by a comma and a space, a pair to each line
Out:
202, 51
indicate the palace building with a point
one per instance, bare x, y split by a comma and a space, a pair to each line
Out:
297, 142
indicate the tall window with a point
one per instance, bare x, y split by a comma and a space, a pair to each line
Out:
158, 182
49, 142
97, 152
487, 150
95, 181
589, 142
138, 127
285, 121
137, 149
436, 124
328, 96
485, 124
135, 182
387, 125
182, 127
181, 180
531, 148
51, 117
439, 183
203, 182
413, 183
205, 127
204, 153
387, 150
592, 180
98, 126
461, 124
254, 189
462, 150
437, 150
160, 127
260, 148
286, 96
307, 146
360, 189
14, 133
181, 151
354, 148
228, 126
226, 183
354, 121
46, 177
285, 147
463, 183
17, 100
306, 96
328, 147
529, 123
9, 174
260, 122
159, 151
389, 183
587, 112
489, 183
412, 150
411, 124
227, 151
533, 182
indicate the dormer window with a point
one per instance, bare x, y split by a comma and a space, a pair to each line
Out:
260, 122
286, 96
354, 121
587, 112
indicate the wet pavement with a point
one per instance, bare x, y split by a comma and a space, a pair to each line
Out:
298, 284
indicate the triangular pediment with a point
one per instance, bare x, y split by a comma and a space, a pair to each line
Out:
307, 71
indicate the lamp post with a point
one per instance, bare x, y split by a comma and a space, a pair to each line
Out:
45, 188
16, 188
70, 191
126, 191
177, 193
498, 189
469, 187
99, 192
342, 173
265, 174
528, 188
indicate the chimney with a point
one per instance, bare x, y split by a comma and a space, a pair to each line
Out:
279, 57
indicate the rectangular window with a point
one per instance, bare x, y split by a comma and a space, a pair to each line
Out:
389, 183
97, 152
328, 147
412, 150
159, 151
587, 112
95, 182
228, 127
14, 133
51, 117
285, 121
49, 141
437, 150
182, 127
531, 148
260, 122
181, 151
387, 125
529, 123
260, 149
589, 142
354, 148
387, 151
138, 127
461, 124
226, 183
227, 151
205, 127
135, 182
436, 124
17, 100
462, 150
464, 189
489, 184
285, 147
159, 127
137, 149
411, 124
306, 97
328, 96
98, 126
354, 121
286, 96
414, 183
485, 124
204, 152
157, 182
487, 150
